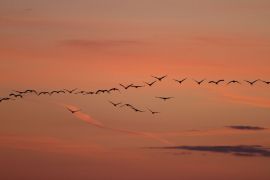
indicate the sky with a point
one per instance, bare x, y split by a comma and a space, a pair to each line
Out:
205, 131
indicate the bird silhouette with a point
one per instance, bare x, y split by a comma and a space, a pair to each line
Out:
216, 82
136, 86
199, 82
159, 78
126, 87
57, 92
151, 83
80, 92
180, 81
252, 82
70, 91
73, 111
31, 91
136, 110
164, 98
233, 81
153, 112
88, 92
44, 92
115, 104
6, 99
114, 89
102, 91
128, 105
266, 82
27, 91
16, 95
20, 92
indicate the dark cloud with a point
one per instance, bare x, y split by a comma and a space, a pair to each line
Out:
241, 127
240, 150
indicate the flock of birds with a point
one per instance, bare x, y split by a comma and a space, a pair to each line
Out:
20, 94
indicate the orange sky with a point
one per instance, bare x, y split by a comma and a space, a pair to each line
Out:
93, 44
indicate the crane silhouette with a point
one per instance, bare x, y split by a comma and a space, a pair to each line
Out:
159, 78
115, 104
233, 82
126, 87
165, 98
153, 112
216, 82
180, 81
199, 82
73, 111
151, 83
266, 82
252, 82
70, 91
16, 95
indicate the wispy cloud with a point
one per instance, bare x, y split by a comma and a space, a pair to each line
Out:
216, 132
85, 117
240, 150
160, 136
244, 127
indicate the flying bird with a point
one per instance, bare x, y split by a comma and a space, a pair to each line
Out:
136, 86
44, 92
58, 92
128, 105
31, 91
199, 82
114, 89
88, 92
216, 82
73, 111
159, 78
16, 95
6, 99
151, 83
80, 92
233, 81
180, 81
115, 104
126, 87
20, 92
70, 91
102, 91
266, 82
153, 112
252, 82
27, 91
164, 98
136, 110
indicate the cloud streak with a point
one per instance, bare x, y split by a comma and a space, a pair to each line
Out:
242, 127
228, 130
86, 118
240, 150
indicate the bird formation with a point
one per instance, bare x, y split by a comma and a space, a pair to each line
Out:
20, 94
